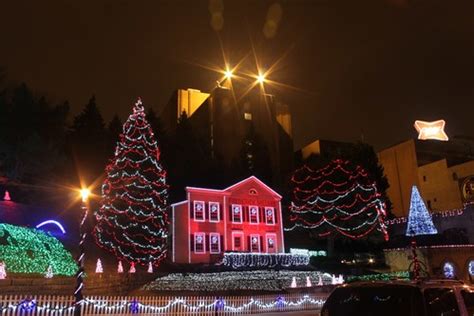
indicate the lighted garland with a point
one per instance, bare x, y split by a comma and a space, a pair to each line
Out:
132, 222
399, 275
261, 280
238, 260
337, 199
26, 250
134, 306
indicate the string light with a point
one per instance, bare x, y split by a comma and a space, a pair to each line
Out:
134, 306
132, 221
238, 260
337, 199
26, 250
267, 280
419, 219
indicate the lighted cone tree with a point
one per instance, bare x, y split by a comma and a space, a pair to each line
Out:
132, 221
339, 199
419, 219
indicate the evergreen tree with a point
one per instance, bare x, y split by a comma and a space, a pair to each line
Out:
89, 142
339, 199
189, 159
419, 219
132, 221
114, 130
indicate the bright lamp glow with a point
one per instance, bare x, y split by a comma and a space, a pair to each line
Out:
85, 194
228, 74
260, 78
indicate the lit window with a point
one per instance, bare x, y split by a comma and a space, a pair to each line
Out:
254, 243
270, 215
248, 116
214, 212
253, 214
449, 271
199, 243
271, 243
236, 213
214, 243
199, 211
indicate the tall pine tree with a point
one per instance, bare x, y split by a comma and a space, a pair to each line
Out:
132, 221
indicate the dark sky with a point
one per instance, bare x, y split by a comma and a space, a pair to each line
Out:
359, 66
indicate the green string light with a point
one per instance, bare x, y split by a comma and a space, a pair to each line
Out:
26, 250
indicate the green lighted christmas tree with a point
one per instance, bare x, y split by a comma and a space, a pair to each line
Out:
132, 221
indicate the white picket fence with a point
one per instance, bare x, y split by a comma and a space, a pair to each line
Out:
13, 305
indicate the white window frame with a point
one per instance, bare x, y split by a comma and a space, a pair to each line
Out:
241, 213
218, 212
274, 215
258, 215
218, 242
258, 240
274, 242
203, 211
203, 242
242, 241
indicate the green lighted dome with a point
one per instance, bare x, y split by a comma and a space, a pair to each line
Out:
26, 250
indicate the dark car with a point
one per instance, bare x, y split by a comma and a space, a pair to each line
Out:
401, 298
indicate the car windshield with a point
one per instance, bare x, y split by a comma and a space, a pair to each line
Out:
377, 300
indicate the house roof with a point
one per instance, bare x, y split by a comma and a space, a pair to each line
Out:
236, 185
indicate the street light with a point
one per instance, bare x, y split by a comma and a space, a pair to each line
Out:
228, 74
85, 193
261, 78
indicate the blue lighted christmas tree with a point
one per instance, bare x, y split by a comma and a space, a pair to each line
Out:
419, 219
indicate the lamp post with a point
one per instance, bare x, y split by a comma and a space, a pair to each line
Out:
80, 258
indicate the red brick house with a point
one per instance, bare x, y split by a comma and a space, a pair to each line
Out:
245, 217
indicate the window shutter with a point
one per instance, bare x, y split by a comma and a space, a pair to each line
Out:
231, 218
275, 216
221, 243
207, 243
221, 213
261, 212
261, 244
249, 242
192, 242
191, 210
245, 214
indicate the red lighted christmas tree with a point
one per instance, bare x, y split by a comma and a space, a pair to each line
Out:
132, 221
339, 199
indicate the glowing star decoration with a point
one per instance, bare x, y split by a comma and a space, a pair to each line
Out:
3, 271
98, 267
431, 130
293, 283
120, 267
7, 197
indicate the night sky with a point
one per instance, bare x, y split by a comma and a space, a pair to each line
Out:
356, 67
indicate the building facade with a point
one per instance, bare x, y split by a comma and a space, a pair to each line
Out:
245, 217
224, 122
443, 171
